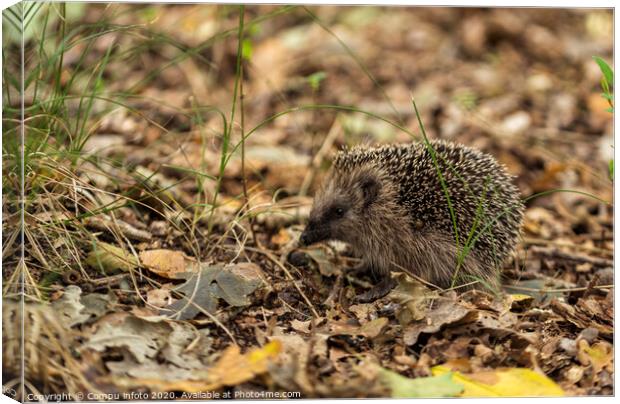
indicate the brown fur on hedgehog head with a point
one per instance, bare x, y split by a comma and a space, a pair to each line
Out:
347, 201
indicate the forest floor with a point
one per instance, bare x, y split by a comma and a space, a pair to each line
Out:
168, 247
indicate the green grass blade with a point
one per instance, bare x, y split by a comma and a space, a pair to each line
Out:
608, 73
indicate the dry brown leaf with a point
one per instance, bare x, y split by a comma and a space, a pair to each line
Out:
373, 329
234, 368
248, 271
412, 296
293, 362
444, 313
231, 369
166, 263
283, 237
362, 311
159, 297
301, 326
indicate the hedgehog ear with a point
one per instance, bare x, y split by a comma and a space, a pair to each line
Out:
370, 187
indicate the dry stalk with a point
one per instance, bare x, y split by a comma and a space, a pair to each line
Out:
561, 290
543, 242
416, 277
333, 133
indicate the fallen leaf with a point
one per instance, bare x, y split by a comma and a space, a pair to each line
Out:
98, 304
444, 312
237, 282
141, 338
203, 289
159, 297
362, 311
149, 369
283, 237
301, 326
373, 329
370, 329
599, 355
293, 362
234, 368
507, 382
541, 290
167, 263
427, 387
574, 374
69, 307
327, 267
520, 301
231, 369
581, 315
186, 347
412, 296
200, 294
109, 258
182, 354
248, 271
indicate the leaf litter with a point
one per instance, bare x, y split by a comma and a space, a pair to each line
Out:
167, 303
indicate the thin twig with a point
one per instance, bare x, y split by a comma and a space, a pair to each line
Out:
416, 277
555, 253
461, 286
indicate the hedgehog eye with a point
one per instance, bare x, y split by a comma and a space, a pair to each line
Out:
339, 212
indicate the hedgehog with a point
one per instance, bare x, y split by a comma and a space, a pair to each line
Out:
396, 211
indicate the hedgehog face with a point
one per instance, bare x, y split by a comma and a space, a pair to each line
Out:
329, 211
338, 209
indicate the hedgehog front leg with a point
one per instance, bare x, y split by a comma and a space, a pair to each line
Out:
378, 291
360, 269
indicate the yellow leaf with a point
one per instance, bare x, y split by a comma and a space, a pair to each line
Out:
517, 297
404, 387
234, 368
505, 382
519, 301
598, 355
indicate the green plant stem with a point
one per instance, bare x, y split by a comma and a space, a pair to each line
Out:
224, 155
444, 186
241, 109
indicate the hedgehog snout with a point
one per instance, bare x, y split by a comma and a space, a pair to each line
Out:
313, 233
304, 239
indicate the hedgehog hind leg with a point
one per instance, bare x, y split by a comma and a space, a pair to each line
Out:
475, 273
480, 277
360, 269
435, 260
378, 291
